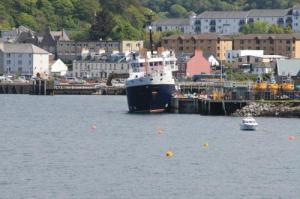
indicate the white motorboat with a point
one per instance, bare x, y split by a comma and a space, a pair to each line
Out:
248, 123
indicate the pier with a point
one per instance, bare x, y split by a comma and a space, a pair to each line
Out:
206, 106
43, 87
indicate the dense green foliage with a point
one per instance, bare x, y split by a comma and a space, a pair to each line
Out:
263, 27
198, 6
114, 19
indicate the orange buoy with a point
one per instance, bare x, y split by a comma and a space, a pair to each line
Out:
291, 138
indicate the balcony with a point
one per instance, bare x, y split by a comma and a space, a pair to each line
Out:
280, 21
198, 22
289, 20
212, 29
242, 22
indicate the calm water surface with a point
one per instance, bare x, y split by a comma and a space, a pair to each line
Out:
49, 149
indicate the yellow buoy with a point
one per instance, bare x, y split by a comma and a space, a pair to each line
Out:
169, 153
205, 145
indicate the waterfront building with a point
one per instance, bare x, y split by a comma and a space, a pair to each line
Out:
24, 59
72, 50
100, 66
272, 44
190, 64
58, 68
252, 61
234, 55
211, 43
211, 59
288, 68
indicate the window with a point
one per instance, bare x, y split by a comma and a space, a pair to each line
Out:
20, 62
8, 55
8, 62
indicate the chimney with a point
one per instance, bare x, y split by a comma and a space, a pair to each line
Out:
198, 52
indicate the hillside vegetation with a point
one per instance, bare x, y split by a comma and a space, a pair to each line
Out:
115, 19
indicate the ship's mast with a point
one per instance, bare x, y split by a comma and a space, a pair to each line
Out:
149, 21
151, 40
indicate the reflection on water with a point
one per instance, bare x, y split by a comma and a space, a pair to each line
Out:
90, 147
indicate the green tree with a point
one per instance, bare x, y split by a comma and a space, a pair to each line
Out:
87, 9
177, 11
258, 27
27, 20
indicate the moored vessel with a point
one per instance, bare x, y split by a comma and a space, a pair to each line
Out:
150, 85
248, 123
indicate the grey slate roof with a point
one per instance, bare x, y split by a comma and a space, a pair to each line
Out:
288, 67
199, 36
22, 48
59, 35
244, 14
223, 14
268, 12
178, 22
268, 36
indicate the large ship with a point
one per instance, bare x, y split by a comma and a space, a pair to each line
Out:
150, 85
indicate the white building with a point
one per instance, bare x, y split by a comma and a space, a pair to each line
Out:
233, 55
59, 68
182, 25
222, 22
230, 22
24, 59
100, 66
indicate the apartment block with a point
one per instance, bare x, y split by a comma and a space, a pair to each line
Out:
214, 44
272, 44
230, 22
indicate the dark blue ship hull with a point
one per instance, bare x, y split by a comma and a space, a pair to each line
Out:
150, 98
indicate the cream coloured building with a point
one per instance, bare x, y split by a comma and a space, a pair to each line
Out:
100, 66
72, 50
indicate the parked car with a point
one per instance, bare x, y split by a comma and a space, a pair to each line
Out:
74, 80
5, 79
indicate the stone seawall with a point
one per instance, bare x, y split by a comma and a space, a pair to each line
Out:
270, 109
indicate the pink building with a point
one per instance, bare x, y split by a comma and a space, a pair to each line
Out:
189, 65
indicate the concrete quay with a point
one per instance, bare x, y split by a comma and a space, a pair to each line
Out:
206, 106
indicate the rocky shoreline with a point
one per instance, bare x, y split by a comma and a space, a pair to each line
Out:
270, 109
